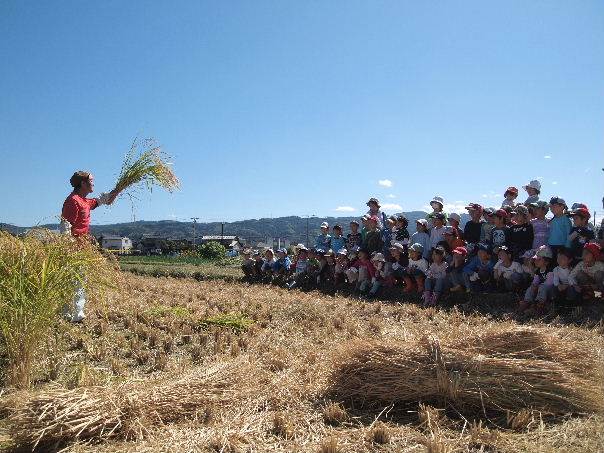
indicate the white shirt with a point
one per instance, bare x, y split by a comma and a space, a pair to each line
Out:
420, 264
437, 270
561, 275
581, 267
506, 272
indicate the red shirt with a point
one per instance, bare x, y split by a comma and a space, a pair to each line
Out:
76, 210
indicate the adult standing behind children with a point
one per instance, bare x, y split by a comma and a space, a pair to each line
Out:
75, 217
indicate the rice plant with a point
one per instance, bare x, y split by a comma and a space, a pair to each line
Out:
38, 276
146, 163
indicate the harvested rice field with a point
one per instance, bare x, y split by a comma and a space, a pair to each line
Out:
180, 365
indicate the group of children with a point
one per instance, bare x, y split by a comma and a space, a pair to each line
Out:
515, 248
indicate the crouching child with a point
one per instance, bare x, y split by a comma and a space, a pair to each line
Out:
478, 272
455, 270
414, 274
537, 294
299, 278
436, 277
507, 272
588, 275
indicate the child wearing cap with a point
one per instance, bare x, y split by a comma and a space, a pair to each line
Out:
352, 271
509, 197
268, 265
341, 266
500, 232
300, 267
337, 240
451, 238
454, 222
488, 215
281, 267
415, 272
399, 259
533, 189
387, 234
422, 237
353, 239
366, 271
258, 263
559, 226
507, 272
521, 232
374, 210
437, 204
247, 264
436, 277
373, 237
588, 275
438, 229
323, 240
559, 286
473, 228
538, 211
379, 276
536, 295
478, 271
580, 233
402, 233
455, 270
328, 273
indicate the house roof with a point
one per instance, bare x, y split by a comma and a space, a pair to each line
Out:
219, 238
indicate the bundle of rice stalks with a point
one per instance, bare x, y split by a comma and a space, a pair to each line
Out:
38, 276
472, 378
129, 411
147, 165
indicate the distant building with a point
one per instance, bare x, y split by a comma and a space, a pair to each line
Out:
122, 244
229, 242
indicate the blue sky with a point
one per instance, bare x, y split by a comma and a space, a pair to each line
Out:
296, 108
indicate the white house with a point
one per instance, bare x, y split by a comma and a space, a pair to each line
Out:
119, 243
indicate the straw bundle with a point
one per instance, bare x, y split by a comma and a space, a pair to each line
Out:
471, 378
148, 165
128, 411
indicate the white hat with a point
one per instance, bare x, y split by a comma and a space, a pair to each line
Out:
455, 216
325, 225
534, 184
438, 200
543, 252
342, 252
398, 246
378, 257
417, 247
422, 221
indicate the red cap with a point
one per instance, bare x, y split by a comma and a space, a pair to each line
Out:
512, 189
594, 249
501, 213
583, 212
460, 251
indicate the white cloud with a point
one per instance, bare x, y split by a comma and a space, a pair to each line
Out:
554, 182
391, 196
547, 157
484, 195
345, 209
385, 183
391, 207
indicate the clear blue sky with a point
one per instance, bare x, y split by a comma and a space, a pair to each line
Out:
280, 108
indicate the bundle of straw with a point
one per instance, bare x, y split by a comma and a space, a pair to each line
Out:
128, 411
148, 166
471, 379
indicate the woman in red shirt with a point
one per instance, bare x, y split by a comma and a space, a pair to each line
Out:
76, 216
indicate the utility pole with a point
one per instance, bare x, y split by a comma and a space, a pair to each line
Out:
222, 231
194, 219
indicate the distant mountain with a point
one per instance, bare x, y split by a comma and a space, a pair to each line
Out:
292, 228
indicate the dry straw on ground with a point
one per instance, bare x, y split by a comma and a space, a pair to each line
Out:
532, 370
127, 411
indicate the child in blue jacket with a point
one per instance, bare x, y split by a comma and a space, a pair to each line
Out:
559, 227
478, 272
